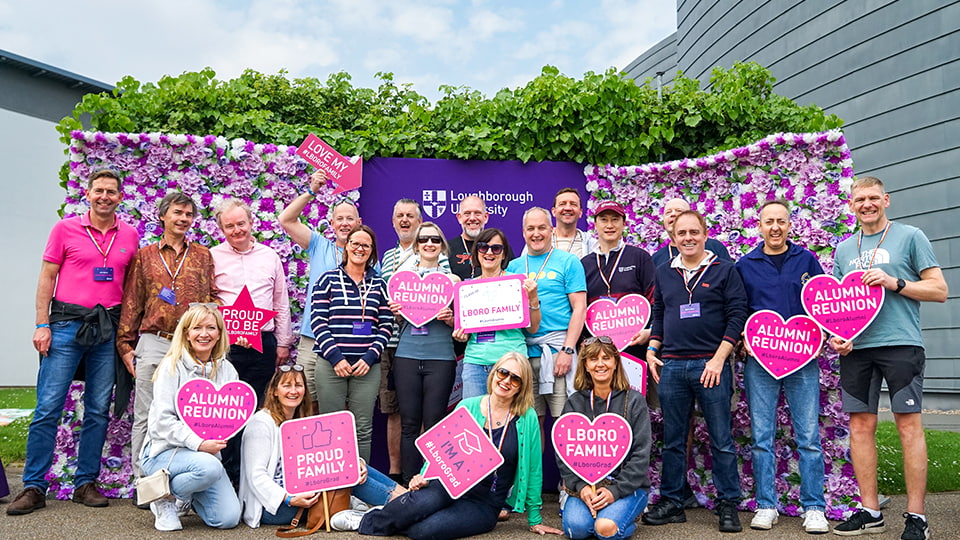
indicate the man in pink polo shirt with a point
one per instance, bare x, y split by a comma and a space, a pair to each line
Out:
78, 305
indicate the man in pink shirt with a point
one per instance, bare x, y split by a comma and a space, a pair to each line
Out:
78, 305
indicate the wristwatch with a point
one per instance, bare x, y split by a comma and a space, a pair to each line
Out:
900, 285
568, 350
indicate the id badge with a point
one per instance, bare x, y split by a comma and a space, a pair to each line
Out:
364, 328
103, 273
167, 295
690, 311
420, 331
487, 337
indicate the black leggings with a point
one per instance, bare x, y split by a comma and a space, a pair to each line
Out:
423, 391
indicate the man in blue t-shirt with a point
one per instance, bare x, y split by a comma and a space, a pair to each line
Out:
562, 289
900, 259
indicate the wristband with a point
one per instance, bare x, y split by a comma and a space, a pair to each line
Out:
654, 349
43, 325
310, 191
535, 308
287, 500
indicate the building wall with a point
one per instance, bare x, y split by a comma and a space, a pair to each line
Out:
891, 70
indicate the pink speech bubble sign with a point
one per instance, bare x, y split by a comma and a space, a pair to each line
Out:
458, 452
422, 298
319, 453
844, 308
510, 307
782, 347
636, 371
215, 413
592, 449
620, 319
243, 319
346, 173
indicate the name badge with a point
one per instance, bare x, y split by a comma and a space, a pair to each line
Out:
103, 273
364, 328
487, 337
690, 311
167, 295
420, 331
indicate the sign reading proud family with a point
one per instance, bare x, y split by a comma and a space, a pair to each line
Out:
420, 298
346, 173
319, 453
243, 319
484, 305
458, 452
592, 449
843, 307
782, 347
215, 413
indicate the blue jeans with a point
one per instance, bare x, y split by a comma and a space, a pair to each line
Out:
474, 378
578, 523
679, 386
199, 477
285, 514
431, 513
376, 490
53, 383
802, 390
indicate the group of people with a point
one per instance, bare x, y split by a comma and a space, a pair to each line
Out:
156, 309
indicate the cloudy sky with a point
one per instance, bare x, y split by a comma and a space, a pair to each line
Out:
482, 44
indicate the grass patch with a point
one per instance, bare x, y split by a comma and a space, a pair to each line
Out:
13, 438
943, 461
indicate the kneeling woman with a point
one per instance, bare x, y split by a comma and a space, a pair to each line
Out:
610, 510
198, 350
506, 414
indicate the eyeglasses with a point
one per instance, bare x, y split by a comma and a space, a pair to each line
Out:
503, 373
601, 339
358, 245
208, 305
287, 367
484, 247
433, 239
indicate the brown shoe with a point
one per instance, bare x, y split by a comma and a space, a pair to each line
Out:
27, 501
88, 495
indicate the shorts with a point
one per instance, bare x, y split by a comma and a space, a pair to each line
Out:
862, 371
388, 390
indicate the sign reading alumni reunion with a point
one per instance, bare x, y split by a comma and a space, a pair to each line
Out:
844, 308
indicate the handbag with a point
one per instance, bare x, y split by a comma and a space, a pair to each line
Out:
338, 499
155, 486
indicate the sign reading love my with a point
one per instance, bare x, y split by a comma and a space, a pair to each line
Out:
844, 307
421, 298
592, 450
620, 319
243, 319
215, 413
636, 372
345, 173
490, 304
458, 452
319, 453
782, 347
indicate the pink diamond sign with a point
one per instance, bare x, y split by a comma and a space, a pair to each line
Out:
782, 347
421, 298
319, 453
844, 308
592, 449
620, 319
215, 413
458, 452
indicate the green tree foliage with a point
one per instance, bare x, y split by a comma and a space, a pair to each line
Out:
601, 118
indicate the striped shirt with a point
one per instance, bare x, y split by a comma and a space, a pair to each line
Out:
341, 309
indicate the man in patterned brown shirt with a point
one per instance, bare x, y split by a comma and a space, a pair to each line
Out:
161, 282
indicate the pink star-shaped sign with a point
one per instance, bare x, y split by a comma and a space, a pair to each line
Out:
243, 319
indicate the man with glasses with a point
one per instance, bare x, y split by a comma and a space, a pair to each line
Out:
164, 278
78, 305
672, 209
473, 217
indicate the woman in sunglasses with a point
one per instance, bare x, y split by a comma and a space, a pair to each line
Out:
609, 509
352, 322
197, 478
484, 348
507, 416
424, 366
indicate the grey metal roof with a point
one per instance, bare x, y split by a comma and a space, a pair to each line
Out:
46, 71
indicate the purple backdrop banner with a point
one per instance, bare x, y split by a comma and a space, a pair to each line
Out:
508, 187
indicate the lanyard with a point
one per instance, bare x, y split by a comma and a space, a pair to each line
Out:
397, 263
613, 270
506, 422
874, 255
100, 249
542, 266
173, 275
686, 285
556, 241
606, 410
363, 288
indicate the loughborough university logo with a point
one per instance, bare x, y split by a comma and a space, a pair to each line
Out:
434, 202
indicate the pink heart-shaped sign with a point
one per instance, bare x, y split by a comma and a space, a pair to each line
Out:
592, 449
844, 308
215, 413
620, 320
421, 298
782, 347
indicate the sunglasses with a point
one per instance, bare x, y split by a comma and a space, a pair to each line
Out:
208, 305
484, 247
433, 239
287, 367
503, 373
602, 339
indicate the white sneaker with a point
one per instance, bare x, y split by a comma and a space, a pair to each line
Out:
357, 504
183, 507
815, 522
563, 499
166, 512
346, 520
765, 519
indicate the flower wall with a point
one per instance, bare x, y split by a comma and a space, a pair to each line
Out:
813, 172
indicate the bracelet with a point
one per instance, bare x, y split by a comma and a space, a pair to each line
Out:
43, 325
535, 308
310, 191
287, 500
654, 349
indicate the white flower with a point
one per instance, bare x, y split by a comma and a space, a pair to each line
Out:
222, 142
258, 149
833, 135
154, 137
846, 163
237, 143
728, 155
592, 185
178, 139
810, 138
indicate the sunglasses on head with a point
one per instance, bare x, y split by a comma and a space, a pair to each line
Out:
287, 367
602, 339
503, 373
484, 247
433, 239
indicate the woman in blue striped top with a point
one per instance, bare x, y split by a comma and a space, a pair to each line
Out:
352, 322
